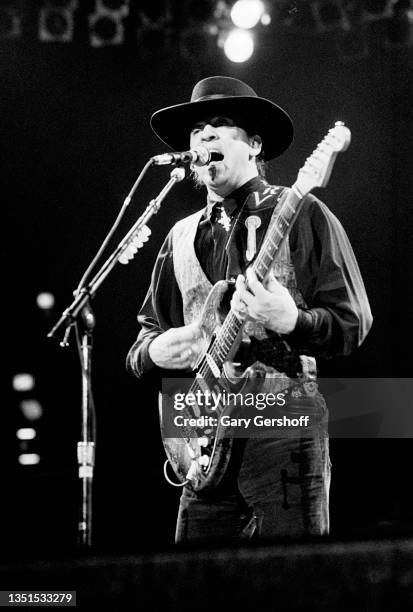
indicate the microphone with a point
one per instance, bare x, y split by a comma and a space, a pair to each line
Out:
199, 156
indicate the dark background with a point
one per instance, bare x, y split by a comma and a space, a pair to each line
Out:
74, 135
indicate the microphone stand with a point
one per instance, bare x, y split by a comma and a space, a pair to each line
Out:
125, 251
86, 447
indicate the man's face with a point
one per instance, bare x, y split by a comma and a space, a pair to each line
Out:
238, 166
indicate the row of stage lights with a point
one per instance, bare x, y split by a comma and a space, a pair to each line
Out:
230, 23
29, 406
233, 25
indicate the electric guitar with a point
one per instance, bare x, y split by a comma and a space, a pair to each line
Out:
200, 454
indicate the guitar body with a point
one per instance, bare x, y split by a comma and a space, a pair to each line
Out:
184, 452
186, 470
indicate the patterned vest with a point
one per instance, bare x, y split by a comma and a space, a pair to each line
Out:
195, 286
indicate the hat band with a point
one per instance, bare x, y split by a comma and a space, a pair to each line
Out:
216, 96
211, 97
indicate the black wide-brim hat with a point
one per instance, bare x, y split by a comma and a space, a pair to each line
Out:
221, 96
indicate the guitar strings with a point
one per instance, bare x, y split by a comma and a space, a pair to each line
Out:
277, 230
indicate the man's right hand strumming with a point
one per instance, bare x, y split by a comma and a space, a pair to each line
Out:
178, 348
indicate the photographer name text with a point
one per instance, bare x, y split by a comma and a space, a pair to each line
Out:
240, 422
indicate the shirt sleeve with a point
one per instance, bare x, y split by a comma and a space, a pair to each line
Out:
161, 310
338, 316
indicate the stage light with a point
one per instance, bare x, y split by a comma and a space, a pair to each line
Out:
29, 459
239, 45
31, 409
10, 23
247, 13
45, 300
266, 19
106, 23
56, 21
23, 382
26, 433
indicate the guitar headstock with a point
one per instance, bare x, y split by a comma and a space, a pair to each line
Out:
317, 168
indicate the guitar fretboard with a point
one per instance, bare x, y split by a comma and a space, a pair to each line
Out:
276, 233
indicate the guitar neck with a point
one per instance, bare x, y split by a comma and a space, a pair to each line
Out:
276, 234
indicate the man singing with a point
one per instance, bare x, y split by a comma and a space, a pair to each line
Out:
312, 303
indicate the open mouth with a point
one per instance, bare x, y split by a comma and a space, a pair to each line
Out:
216, 156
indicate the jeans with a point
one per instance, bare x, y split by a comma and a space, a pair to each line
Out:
272, 488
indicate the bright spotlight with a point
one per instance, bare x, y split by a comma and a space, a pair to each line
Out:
26, 433
31, 409
247, 13
45, 300
266, 19
23, 382
239, 46
29, 459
